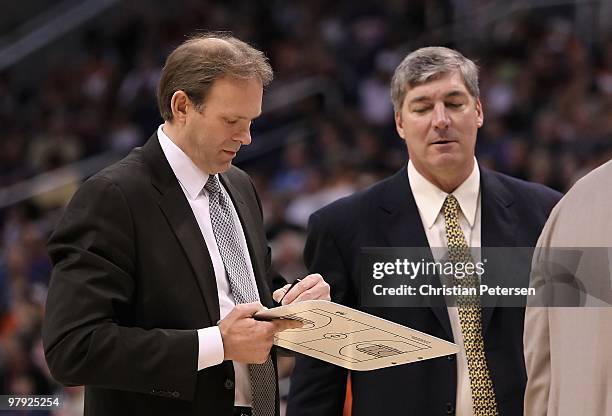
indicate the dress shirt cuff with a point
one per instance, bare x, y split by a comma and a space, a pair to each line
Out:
210, 351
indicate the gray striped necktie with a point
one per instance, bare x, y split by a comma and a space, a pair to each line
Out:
262, 376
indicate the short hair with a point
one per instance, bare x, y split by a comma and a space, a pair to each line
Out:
428, 64
195, 64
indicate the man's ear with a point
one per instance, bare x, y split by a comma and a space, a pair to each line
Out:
179, 104
480, 113
399, 125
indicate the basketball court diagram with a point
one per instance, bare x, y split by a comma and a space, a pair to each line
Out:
354, 339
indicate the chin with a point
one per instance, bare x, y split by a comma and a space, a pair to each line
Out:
224, 167
448, 160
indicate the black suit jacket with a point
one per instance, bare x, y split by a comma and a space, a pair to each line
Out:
513, 213
131, 284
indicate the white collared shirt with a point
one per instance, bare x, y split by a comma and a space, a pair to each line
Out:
192, 181
429, 200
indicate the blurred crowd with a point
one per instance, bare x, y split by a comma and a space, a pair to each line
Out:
546, 89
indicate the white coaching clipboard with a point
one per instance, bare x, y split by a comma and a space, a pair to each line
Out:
353, 339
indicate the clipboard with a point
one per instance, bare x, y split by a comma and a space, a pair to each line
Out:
353, 339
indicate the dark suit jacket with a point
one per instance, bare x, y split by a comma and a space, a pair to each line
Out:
385, 215
132, 281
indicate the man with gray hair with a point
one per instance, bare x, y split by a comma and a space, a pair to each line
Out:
161, 260
442, 198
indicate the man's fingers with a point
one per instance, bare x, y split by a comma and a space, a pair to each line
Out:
320, 292
311, 287
284, 324
308, 295
279, 293
312, 280
308, 282
248, 309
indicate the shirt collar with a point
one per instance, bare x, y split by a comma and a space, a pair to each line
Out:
429, 198
191, 178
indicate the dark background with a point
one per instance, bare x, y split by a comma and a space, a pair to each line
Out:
77, 91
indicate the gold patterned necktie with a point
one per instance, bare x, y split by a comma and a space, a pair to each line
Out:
470, 316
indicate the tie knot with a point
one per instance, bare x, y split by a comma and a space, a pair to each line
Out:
450, 207
212, 185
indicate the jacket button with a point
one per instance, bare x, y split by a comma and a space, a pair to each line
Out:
450, 409
229, 384
176, 394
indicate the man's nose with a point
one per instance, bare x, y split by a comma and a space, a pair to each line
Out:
440, 117
244, 137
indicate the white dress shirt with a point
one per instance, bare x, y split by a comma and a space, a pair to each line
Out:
429, 200
192, 181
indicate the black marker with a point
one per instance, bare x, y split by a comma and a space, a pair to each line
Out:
295, 282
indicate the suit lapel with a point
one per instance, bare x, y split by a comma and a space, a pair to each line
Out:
398, 216
401, 226
249, 227
176, 209
499, 224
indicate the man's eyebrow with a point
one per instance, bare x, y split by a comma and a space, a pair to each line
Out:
425, 98
456, 93
241, 117
419, 99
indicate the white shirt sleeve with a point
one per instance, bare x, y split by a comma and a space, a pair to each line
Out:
210, 347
